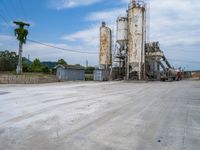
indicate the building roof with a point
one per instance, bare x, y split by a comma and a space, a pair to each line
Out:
77, 67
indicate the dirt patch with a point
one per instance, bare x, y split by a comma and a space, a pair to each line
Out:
27, 79
4, 93
196, 75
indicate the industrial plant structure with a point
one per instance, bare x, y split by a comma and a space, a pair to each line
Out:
134, 57
105, 57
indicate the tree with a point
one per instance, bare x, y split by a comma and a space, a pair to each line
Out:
21, 34
49, 64
45, 69
89, 70
36, 66
26, 63
8, 61
61, 62
26, 67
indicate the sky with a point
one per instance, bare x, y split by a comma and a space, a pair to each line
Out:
74, 24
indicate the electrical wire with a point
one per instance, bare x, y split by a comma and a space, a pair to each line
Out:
4, 8
184, 51
14, 8
23, 12
186, 61
72, 50
60, 48
52, 46
5, 20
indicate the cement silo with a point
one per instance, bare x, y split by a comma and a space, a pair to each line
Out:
136, 39
122, 31
105, 56
122, 41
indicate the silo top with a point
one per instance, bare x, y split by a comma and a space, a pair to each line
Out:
103, 24
136, 4
122, 19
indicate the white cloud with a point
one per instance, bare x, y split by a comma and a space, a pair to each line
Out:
87, 36
62, 4
6, 38
175, 19
45, 53
175, 23
87, 39
172, 21
7, 42
107, 15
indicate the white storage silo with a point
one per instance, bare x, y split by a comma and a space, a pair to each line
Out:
105, 56
122, 31
136, 37
122, 44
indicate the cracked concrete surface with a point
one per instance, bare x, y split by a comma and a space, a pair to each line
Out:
100, 116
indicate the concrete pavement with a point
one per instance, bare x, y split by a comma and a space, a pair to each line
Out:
100, 116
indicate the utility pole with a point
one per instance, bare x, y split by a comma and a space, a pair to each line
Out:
87, 63
28, 56
21, 34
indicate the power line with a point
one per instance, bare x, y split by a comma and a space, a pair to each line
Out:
15, 9
22, 8
48, 45
60, 48
180, 51
3, 6
186, 61
5, 20
78, 51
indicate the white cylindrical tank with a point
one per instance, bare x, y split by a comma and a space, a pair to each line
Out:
136, 36
122, 30
105, 56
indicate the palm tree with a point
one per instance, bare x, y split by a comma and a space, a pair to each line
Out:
21, 34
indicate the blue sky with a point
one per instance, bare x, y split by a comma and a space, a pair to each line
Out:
74, 24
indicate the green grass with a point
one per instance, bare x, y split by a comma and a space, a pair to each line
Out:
88, 77
27, 74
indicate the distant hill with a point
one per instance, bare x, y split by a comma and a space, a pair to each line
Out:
196, 71
49, 64
26, 60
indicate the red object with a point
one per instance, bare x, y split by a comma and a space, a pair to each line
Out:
178, 76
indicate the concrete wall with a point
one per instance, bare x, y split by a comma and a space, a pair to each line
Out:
70, 74
99, 75
26, 79
196, 75
60, 73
